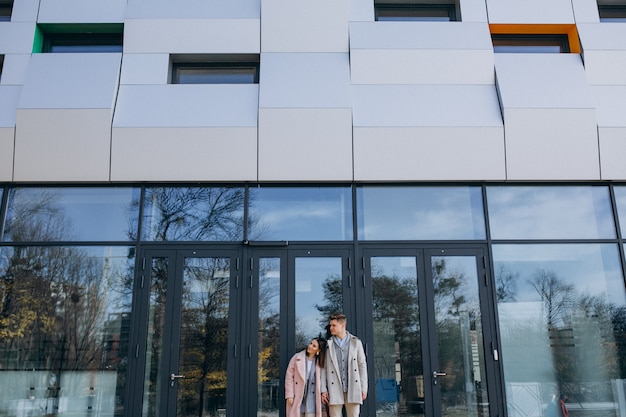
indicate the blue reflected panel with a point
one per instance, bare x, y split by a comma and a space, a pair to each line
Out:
420, 213
620, 200
65, 329
550, 212
193, 214
562, 318
71, 214
303, 213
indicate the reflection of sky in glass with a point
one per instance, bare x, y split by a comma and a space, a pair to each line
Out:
303, 213
72, 214
594, 269
576, 212
311, 273
420, 213
620, 200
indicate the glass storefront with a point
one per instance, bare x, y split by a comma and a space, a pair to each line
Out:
79, 338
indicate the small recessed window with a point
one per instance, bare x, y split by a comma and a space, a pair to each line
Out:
6, 8
530, 43
219, 69
612, 12
82, 42
386, 12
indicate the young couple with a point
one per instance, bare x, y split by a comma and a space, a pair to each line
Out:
332, 373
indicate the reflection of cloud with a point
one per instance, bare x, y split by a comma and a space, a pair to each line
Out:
550, 212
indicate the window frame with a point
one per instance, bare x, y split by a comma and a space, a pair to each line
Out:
565, 30
538, 41
612, 12
416, 12
6, 10
228, 63
82, 42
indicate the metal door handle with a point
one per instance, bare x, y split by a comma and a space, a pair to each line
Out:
436, 375
174, 377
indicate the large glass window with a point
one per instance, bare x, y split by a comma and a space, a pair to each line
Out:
193, 214
64, 330
620, 202
300, 213
550, 212
562, 313
420, 213
71, 214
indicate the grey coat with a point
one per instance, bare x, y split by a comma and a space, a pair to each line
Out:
357, 373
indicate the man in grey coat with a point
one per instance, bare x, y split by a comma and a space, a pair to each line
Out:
344, 379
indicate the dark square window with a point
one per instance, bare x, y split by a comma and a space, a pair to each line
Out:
386, 12
6, 8
530, 43
216, 69
82, 42
612, 12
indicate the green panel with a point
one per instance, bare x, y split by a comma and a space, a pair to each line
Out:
38, 41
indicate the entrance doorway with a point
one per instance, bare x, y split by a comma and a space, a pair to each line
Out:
215, 328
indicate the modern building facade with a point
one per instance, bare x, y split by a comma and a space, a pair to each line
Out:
188, 189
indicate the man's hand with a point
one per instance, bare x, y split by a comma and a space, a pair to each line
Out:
363, 395
289, 402
324, 397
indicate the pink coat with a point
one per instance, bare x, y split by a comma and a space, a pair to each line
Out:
295, 380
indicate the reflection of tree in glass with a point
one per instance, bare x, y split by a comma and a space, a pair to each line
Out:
204, 336
36, 217
506, 283
333, 297
269, 334
194, 213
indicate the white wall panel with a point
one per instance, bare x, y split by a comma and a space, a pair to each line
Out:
542, 81
423, 35
81, 11
7, 135
299, 26
25, 11
145, 69
610, 104
178, 105
14, 69
192, 36
586, 11
9, 97
426, 105
551, 144
421, 66
184, 154
428, 154
305, 80
16, 38
362, 10
612, 151
530, 11
473, 11
92, 80
305, 145
193, 9
604, 46
62, 145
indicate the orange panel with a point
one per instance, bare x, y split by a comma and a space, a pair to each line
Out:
540, 29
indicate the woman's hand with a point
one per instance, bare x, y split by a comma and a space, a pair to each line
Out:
289, 402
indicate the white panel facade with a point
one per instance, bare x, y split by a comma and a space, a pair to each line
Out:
612, 151
81, 11
184, 154
9, 97
194, 9
604, 46
7, 135
551, 144
17, 38
174, 105
25, 11
14, 69
305, 145
145, 69
192, 36
305, 80
586, 11
296, 26
406, 153
473, 11
530, 11
62, 145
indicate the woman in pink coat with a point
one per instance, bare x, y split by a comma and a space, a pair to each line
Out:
302, 380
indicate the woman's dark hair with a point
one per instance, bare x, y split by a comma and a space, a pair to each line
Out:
321, 357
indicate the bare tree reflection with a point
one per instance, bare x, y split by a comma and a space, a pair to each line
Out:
194, 213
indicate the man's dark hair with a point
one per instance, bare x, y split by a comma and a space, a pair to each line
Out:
340, 317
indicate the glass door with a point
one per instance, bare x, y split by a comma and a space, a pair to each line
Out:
189, 349
428, 356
